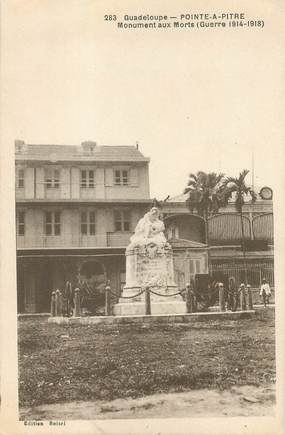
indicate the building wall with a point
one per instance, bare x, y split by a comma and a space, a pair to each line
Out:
262, 227
70, 226
225, 253
258, 207
187, 263
227, 227
224, 228
188, 227
40, 275
35, 186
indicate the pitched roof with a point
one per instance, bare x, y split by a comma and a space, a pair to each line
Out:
102, 153
182, 243
179, 198
182, 198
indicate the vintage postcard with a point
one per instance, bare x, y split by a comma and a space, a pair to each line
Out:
142, 211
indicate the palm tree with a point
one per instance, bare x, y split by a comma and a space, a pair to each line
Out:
238, 188
205, 195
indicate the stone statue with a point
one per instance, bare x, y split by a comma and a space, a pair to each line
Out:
149, 264
149, 230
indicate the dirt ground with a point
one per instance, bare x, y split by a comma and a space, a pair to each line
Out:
81, 372
237, 401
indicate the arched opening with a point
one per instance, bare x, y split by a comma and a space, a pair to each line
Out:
263, 227
226, 229
186, 227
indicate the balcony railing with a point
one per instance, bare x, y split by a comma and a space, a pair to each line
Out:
118, 239
74, 241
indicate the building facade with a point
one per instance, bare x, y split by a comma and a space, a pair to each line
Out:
77, 207
226, 257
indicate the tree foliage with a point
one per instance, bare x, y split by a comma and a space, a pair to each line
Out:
236, 187
205, 193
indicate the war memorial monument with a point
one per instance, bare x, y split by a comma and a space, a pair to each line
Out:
149, 264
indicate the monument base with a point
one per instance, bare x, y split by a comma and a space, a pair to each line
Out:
138, 308
149, 265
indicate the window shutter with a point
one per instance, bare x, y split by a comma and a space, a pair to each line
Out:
36, 219
75, 183
134, 177
65, 183
40, 182
29, 183
99, 182
108, 176
109, 220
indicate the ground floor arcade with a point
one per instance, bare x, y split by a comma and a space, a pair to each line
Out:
39, 272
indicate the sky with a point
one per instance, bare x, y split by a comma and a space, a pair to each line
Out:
194, 100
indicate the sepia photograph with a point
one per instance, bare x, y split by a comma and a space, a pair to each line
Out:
145, 145
129, 305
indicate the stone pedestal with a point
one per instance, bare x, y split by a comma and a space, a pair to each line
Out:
150, 265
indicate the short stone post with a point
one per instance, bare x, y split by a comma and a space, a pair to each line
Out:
194, 299
232, 294
108, 299
52, 305
68, 298
242, 298
189, 299
222, 297
60, 308
249, 297
147, 301
77, 308
57, 303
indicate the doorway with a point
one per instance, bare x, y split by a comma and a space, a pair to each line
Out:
92, 281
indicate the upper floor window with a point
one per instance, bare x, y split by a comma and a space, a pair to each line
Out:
122, 220
20, 223
52, 178
20, 178
88, 222
87, 178
121, 177
52, 223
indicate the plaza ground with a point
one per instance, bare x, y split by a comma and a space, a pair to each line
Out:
213, 368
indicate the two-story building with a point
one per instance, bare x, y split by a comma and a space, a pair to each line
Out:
76, 208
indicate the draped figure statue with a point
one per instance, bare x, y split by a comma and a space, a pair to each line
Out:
149, 264
149, 229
